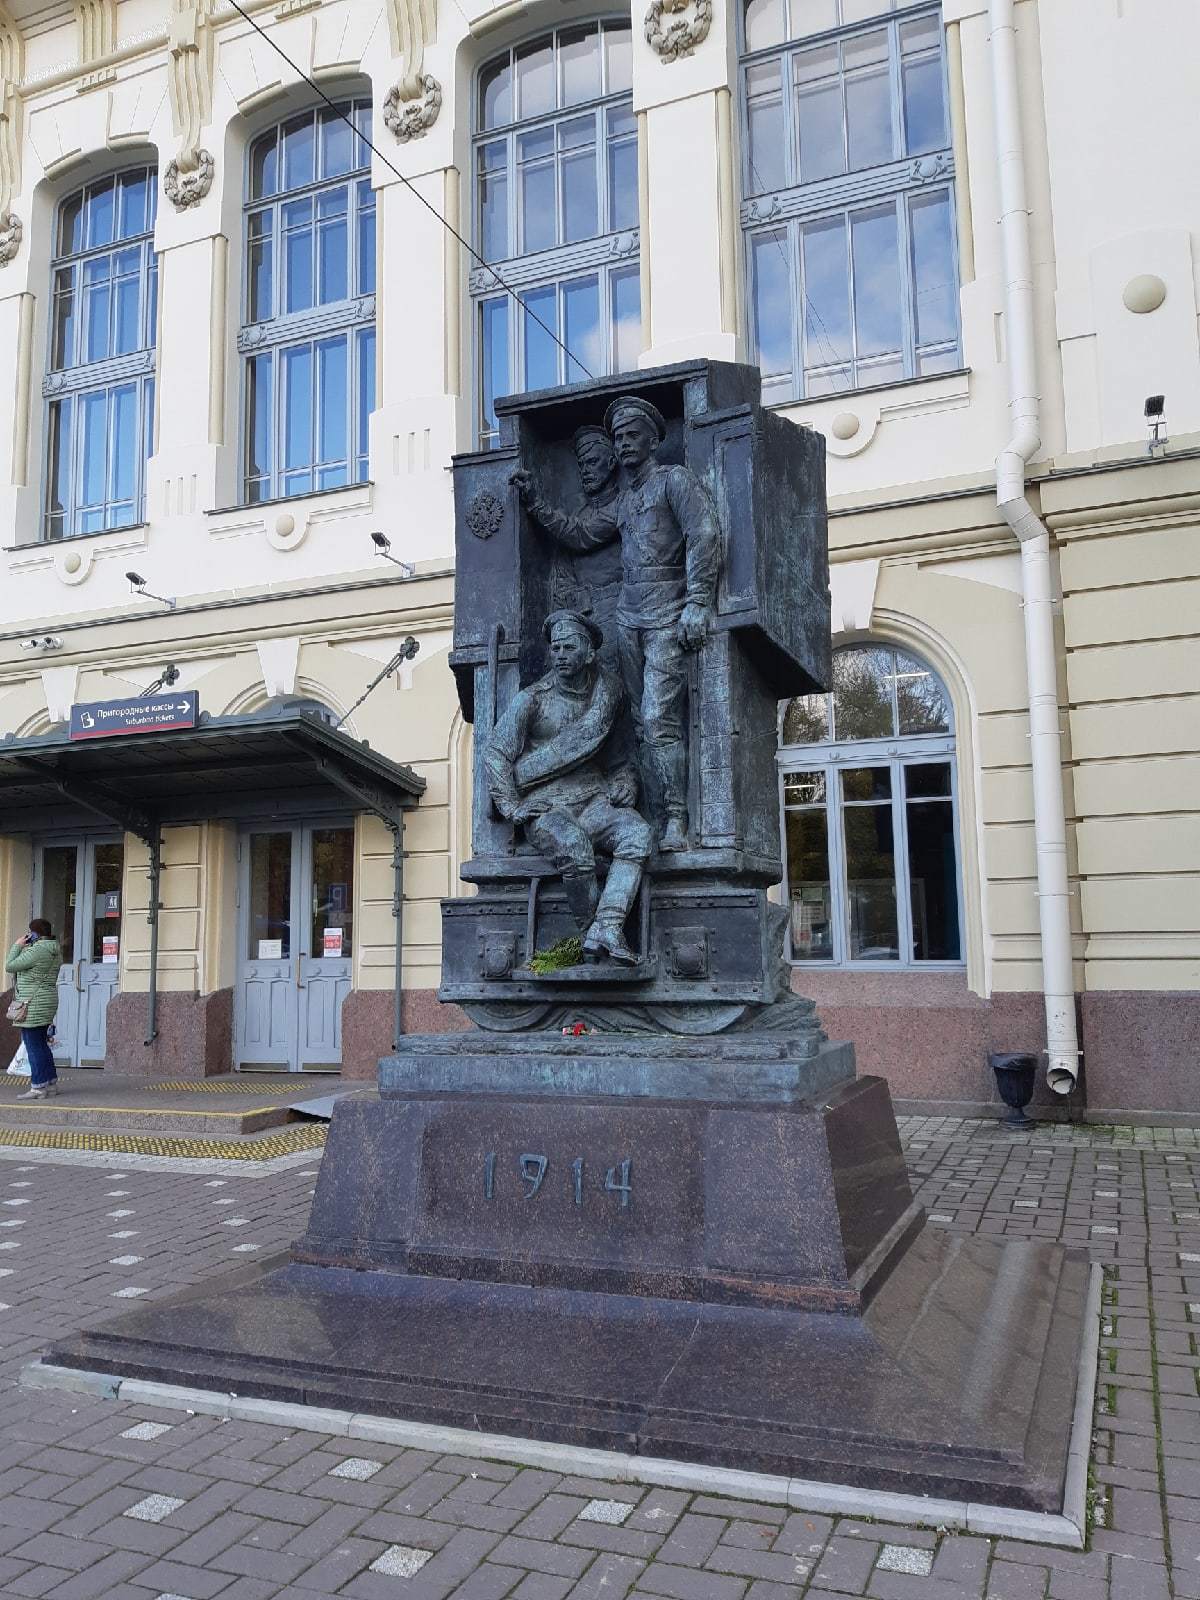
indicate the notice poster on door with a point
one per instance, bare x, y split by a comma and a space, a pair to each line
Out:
332, 942
112, 902
110, 949
270, 949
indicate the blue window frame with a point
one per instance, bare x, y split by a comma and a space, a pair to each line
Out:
869, 804
100, 380
556, 212
308, 332
851, 251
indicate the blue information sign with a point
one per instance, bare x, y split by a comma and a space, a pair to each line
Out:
155, 713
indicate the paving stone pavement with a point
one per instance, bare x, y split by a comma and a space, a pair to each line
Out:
110, 1501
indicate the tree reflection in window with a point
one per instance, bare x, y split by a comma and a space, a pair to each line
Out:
869, 814
878, 692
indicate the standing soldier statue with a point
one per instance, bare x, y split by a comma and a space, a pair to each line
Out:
553, 764
670, 554
590, 581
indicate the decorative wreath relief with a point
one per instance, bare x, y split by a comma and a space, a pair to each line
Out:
410, 116
485, 515
10, 236
677, 38
186, 187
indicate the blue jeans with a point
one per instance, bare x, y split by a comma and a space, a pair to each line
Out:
41, 1057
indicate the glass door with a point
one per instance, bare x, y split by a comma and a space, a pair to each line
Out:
56, 896
325, 964
101, 917
297, 944
78, 890
266, 1008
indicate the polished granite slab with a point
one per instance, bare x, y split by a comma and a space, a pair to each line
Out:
957, 1382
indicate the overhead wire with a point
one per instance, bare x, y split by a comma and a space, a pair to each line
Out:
412, 188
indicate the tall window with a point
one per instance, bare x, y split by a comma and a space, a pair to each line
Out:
867, 775
309, 331
849, 221
100, 383
556, 205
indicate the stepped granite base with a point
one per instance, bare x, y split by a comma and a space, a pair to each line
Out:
732, 1272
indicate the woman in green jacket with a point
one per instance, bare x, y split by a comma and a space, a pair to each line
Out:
34, 961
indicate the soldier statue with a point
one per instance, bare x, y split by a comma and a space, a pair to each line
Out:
553, 765
591, 581
670, 555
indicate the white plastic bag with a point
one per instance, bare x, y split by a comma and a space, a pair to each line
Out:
18, 1067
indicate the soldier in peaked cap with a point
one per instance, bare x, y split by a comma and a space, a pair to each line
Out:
554, 766
670, 551
632, 405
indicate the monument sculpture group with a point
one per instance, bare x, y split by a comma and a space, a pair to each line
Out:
644, 1204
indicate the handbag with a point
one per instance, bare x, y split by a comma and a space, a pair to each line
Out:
17, 1011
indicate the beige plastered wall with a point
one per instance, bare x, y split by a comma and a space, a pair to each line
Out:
941, 577
1131, 611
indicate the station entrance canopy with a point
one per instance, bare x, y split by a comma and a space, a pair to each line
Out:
225, 767
284, 762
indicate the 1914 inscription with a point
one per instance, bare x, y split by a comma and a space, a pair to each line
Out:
573, 1182
533, 1167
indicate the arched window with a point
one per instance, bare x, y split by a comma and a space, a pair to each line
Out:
556, 211
867, 777
309, 331
851, 259
100, 383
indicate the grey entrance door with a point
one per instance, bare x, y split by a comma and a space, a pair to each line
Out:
296, 905
78, 888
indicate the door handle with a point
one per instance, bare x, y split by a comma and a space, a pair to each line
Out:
79, 977
299, 971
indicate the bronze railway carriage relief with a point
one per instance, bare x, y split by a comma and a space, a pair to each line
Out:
635, 499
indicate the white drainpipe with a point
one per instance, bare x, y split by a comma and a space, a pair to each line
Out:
1049, 816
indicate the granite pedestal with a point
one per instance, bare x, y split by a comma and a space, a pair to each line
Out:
700, 1250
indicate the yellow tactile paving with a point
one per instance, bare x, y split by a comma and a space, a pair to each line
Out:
230, 1086
310, 1137
70, 1105
264, 1091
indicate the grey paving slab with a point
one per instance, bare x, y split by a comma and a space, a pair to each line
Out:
266, 1511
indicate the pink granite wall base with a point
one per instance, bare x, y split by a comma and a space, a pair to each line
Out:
367, 1025
195, 1035
1143, 1050
927, 1033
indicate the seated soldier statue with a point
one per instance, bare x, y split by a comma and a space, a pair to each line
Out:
553, 765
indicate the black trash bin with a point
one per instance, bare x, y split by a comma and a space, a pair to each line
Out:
1015, 1072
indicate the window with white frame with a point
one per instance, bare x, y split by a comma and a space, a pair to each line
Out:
556, 214
851, 253
308, 336
869, 815
100, 383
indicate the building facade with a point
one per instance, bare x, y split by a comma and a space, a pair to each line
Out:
240, 341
